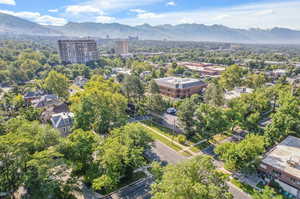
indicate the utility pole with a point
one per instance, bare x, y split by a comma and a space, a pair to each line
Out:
173, 129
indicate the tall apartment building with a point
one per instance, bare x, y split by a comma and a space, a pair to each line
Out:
121, 47
78, 51
180, 87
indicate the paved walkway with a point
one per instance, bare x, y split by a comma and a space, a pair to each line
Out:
188, 147
237, 192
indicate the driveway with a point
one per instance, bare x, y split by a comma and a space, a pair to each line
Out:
162, 153
237, 193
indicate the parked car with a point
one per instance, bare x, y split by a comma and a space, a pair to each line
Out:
171, 111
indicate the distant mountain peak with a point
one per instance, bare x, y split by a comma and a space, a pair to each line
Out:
181, 32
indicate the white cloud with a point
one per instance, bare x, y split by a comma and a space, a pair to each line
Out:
137, 10
143, 14
149, 15
37, 17
78, 9
110, 5
186, 20
259, 15
171, 3
49, 20
53, 10
264, 12
221, 17
8, 2
105, 19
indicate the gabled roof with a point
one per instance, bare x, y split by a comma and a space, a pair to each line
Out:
61, 120
32, 94
45, 100
54, 109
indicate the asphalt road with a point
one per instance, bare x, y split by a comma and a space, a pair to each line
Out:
163, 153
139, 190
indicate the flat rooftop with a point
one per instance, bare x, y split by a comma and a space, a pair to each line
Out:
237, 92
177, 82
285, 156
77, 41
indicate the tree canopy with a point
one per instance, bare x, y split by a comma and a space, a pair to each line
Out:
195, 178
57, 84
100, 106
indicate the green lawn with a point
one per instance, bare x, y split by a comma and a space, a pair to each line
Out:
216, 139
169, 133
246, 188
163, 130
156, 136
200, 147
186, 154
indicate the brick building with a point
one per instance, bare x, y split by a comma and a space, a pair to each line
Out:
180, 87
282, 164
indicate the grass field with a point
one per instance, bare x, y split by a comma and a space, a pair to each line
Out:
156, 136
199, 147
246, 188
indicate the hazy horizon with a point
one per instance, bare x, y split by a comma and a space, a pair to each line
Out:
243, 14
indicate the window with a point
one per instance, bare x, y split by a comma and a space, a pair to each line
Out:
293, 180
276, 173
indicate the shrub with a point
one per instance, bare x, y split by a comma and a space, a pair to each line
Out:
181, 139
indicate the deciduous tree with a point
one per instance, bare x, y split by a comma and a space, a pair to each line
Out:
196, 178
57, 83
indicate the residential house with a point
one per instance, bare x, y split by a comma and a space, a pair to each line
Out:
52, 110
32, 95
144, 74
63, 122
237, 92
45, 101
123, 71
80, 81
276, 73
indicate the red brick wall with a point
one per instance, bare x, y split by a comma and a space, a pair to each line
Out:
180, 93
284, 177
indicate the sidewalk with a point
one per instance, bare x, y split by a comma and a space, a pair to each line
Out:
188, 147
171, 140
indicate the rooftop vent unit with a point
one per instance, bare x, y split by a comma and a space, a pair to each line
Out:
294, 162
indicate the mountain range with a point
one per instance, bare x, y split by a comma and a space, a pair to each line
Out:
183, 32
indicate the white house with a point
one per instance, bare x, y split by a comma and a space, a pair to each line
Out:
63, 122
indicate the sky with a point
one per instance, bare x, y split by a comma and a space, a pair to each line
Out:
263, 14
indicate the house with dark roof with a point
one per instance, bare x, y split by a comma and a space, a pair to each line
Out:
62, 122
55, 109
80, 81
45, 100
32, 95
